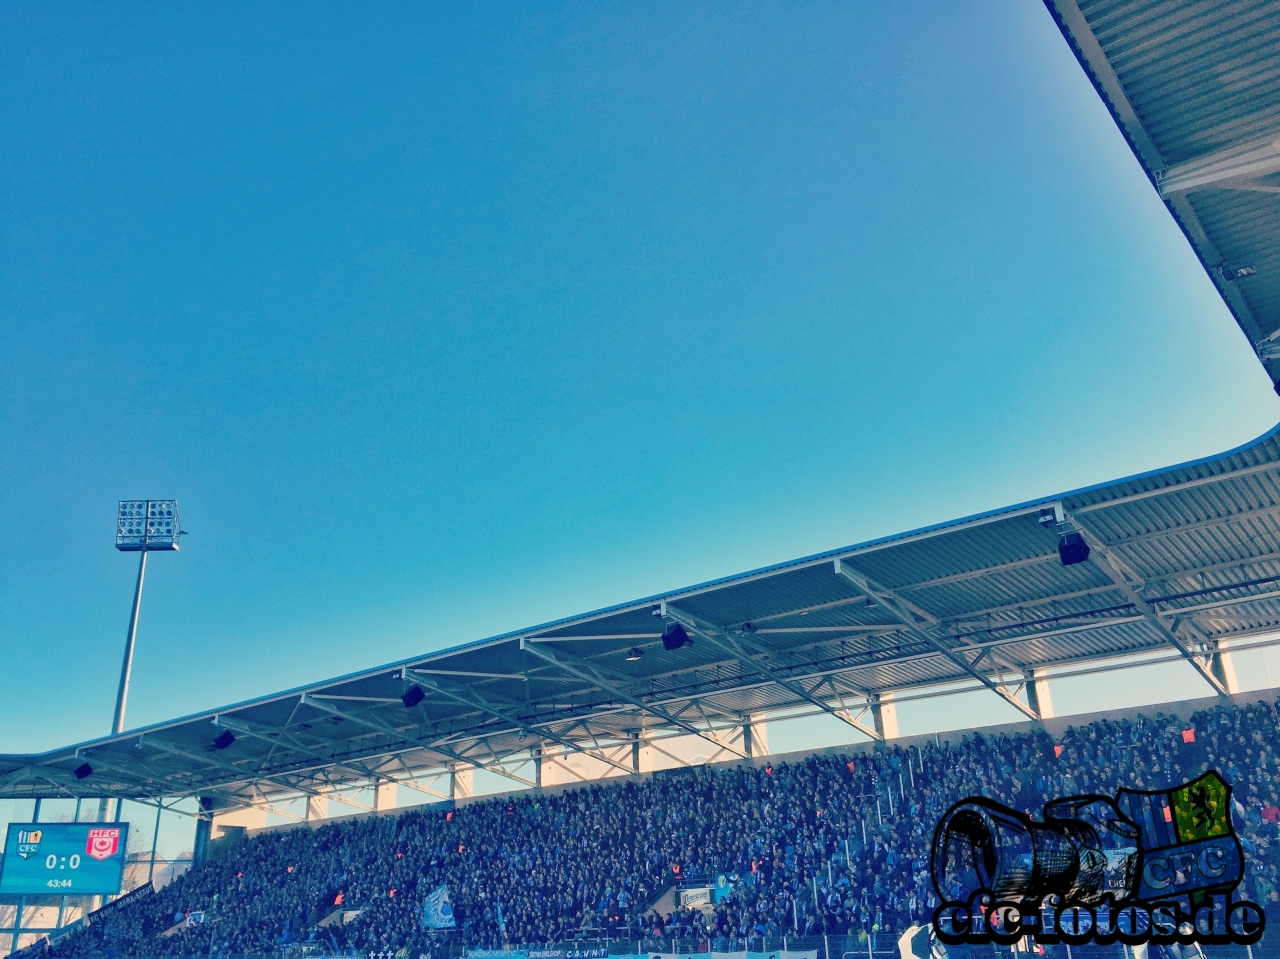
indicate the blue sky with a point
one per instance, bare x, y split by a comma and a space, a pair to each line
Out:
441, 322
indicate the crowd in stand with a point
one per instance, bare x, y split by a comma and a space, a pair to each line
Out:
543, 868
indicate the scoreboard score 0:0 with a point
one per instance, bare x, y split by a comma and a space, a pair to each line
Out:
64, 859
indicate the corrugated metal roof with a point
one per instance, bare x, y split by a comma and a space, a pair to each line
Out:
1194, 85
1183, 559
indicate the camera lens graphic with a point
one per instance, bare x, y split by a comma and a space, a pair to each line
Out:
1083, 851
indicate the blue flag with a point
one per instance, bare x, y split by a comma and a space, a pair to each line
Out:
437, 911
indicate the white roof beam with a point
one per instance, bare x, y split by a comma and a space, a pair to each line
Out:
1225, 169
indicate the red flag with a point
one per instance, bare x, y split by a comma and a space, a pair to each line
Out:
1057, 752
1189, 735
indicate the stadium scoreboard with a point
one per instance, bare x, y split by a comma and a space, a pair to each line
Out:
64, 859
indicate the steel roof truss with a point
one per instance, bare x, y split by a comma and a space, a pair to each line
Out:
1123, 576
844, 707
443, 750
909, 619
241, 775
291, 742
594, 673
469, 697
742, 649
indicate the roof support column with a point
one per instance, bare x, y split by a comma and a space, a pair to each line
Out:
384, 796
884, 713
204, 826
1221, 665
537, 766
635, 751
1038, 698
461, 783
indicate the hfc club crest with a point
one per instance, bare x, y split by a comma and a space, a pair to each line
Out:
103, 843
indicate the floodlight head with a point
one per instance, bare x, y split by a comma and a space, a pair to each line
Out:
674, 636
225, 739
83, 771
634, 654
1072, 549
147, 525
412, 696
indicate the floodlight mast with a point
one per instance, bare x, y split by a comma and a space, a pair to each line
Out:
142, 526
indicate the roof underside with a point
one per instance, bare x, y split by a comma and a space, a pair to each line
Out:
1181, 561
1195, 87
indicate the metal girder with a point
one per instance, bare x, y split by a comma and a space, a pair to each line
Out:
808, 609
1130, 583
1230, 167
469, 697
962, 622
242, 775
289, 741
909, 619
390, 730
591, 672
976, 573
168, 787
19, 774
742, 649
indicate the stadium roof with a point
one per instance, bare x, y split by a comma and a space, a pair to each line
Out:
1181, 561
1195, 87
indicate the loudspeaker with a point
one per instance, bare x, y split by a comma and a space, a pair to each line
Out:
1072, 549
84, 771
412, 696
674, 636
225, 739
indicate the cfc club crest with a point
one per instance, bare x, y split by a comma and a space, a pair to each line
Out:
28, 843
102, 843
